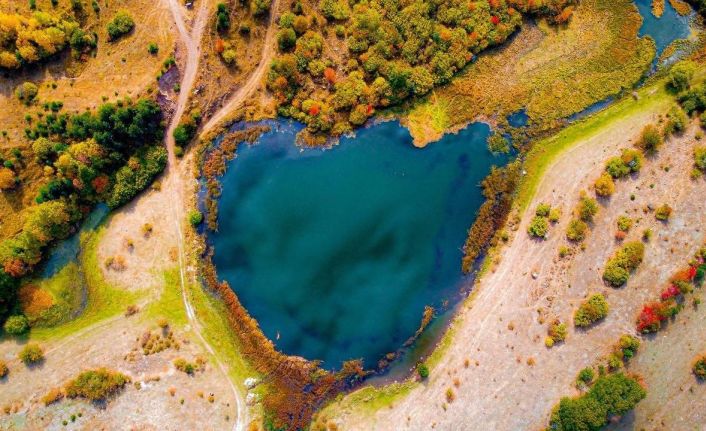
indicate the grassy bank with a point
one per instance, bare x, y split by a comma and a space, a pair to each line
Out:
103, 301
653, 98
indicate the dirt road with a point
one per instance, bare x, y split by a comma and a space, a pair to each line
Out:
241, 95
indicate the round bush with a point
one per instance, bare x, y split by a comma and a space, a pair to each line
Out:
16, 325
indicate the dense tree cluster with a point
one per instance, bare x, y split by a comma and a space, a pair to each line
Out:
610, 395
107, 156
394, 50
27, 40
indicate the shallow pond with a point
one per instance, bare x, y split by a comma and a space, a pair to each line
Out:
665, 29
336, 252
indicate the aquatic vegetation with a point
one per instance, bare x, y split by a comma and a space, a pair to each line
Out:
551, 74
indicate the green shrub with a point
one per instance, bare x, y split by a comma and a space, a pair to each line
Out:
586, 375
624, 223
334, 9
497, 143
31, 354
286, 39
587, 209
557, 331
663, 212
222, 17
96, 385
121, 24
26, 92
259, 7
554, 215
629, 161
195, 217
680, 76
677, 121
700, 158
628, 346
699, 367
577, 230
184, 366
604, 185
650, 139
152, 48
610, 395
591, 311
543, 210
624, 261
423, 370
538, 227
16, 325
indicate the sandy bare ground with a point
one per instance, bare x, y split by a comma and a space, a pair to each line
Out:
500, 331
150, 407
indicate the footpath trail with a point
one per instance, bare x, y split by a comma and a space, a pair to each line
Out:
176, 180
254, 81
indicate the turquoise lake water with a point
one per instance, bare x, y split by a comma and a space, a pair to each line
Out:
665, 29
337, 251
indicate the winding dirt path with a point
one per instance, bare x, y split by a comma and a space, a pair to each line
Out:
255, 79
176, 179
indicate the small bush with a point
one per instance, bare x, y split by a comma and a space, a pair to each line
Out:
604, 185
680, 76
557, 331
152, 48
538, 227
31, 354
624, 223
677, 121
286, 39
591, 311
650, 139
184, 366
628, 346
699, 367
423, 370
120, 25
586, 375
96, 385
554, 215
3, 369
577, 230
543, 210
624, 261
700, 158
195, 217
16, 325
663, 212
629, 161
587, 209
52, 396
26, 92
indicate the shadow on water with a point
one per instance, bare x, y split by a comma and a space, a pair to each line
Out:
336, 251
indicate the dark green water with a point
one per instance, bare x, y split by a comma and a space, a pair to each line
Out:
339, 250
